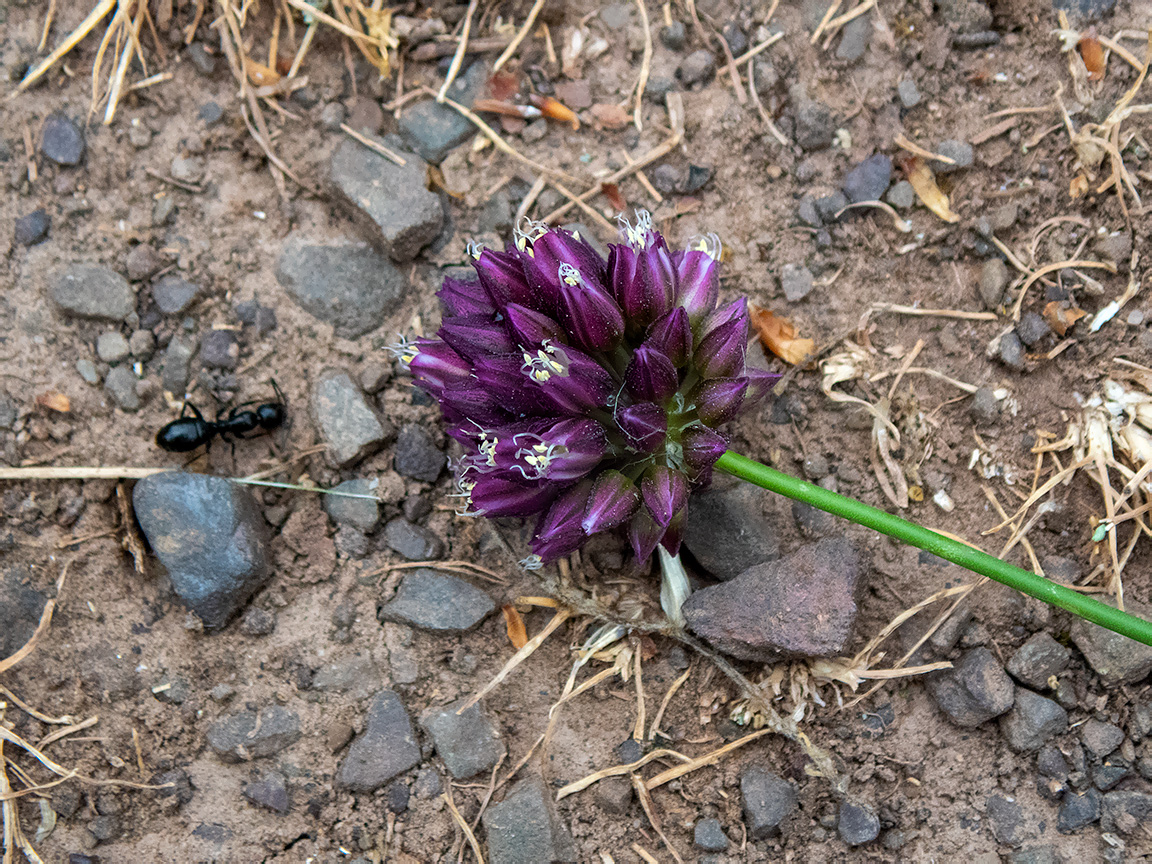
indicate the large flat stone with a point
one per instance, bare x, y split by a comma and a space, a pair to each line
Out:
386, 748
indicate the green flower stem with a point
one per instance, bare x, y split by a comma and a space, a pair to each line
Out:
958, 553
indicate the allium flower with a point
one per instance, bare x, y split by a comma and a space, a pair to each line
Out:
587, 391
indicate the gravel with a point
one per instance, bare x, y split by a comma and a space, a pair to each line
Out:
1037, 660
360, 513
524, 828
993, 281
61, 140
857, 824
121, 386
174, 294
767, 800
1115, 658
467, 743
386, 748
974, 691
346, 423
243, 736
90, 291
728, 531
416, 454
431, 600
796, 280
112, 347
869, 180
908, 92
1032, 722
32, 228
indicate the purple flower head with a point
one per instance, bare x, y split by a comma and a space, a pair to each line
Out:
586, 391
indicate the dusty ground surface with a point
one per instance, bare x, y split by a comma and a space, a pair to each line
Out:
117, 635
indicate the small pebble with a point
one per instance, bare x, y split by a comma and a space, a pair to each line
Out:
204, 62
1032, 328
993, 281
139, 135
697, 68
901, 196
219, 349
985, 407
121, 385
736, 38
61, 140
32, 228
796, 281
112, 347
143, 261
908, 93
87, 370
674, 36
535, 131
187, 169
211, 113
959, 151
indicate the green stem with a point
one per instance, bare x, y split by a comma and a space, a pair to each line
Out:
1086, 607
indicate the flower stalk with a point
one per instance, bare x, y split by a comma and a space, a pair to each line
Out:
966, 556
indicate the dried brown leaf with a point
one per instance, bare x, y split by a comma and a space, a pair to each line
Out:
259, 74
1078, 186
779, 336
1092, 53
554, 109
1061, 317
517, 632
612, 192
609, 116
924, 183
54, 401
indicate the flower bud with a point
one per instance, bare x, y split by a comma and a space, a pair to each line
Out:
718, 400
613, 500
643, 534
665, 493
722, 349
559, 532
531, 327
493, 496
650, 376
645, 426
502, 277
461, 297
672, 334
702, 447
475, 336
698, 283
587, 310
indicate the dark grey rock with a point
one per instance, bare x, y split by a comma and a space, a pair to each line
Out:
8, 412
416, 454
1090, 10
1105, 777
959, 151
1101, 738
269, 791
252, 314
112, 347
1050, 762
175, 366
219, 349
857, 824
32, 228
204, 62
1115, 247
467, 743
61, 140
1037, 660
674, 36
173, 294
901, 195
803, 605
1115, 658
735, 37
1078, 811
427, 784
629, 750
812, 522
829, 206
142, 262
1032, 721
524, 828
20, 610
346, 424
391, 202
414, 542
709, 835
121, 386
869, 180
1140, 721
668, 178
357, 676
433, 130
348, 285
239, 737
980, 39
767, 800
430, 600
908, 92
974, 691
88, 291
807, 212
360, 513
966, 16
1005, 816
386, 748
331, 116
1032, 328
796, 281
854, 39
728, 530
177, 781
1012, 351
210, 113
993, 281
985, 407
398, 797
211, 537
1125, 811
697, 68
815, 125
105, 828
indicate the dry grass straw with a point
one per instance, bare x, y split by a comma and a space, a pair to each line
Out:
520, 36
653, 820
519, 657
375, 146
463, 825
466, 568
458, 57
645, 63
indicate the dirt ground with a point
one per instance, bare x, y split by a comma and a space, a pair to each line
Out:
117, 635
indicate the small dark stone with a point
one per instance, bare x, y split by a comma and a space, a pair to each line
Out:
398, 797
237, 737
1125, 810
829, 206
697, 68
433, 130
525, 829
386, 748
204, 62
1050, 762
347, 424
1101, 738
61, 140
414, 542
807, 212
360, 513
416, 455
767, 799
674, 36
869, 180
32, 228
1115, 658
173, 295
993, 280
219, 349
629, 750
667, 178
467, 743
257, 622
1078, 811
735, 37
1090, 10
728, 530
958, 151
88, 291
797, 282
815, 125
177, 781
614, 794
210, 113
698, 177
1012, 351
430, 600
974, 691
709, 835
1037, 660
857, 824
979, 39
854, 40
985, 407
1005, 814
105, 828
20, 610
1105, 777
270, 791
1032, 328
1032, 721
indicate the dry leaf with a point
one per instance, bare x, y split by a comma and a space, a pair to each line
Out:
259, 74
612, 192
1060, 317
610, 116
517, 632
1078, 186
436, 181
779, 336
554, 109
54, 401
924, 183
685, 205
1092, 53
503, 85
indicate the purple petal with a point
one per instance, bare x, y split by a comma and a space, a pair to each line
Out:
472, 401
645, 426
674, 533
718, 400
474, 337
434, 365
702, 447
587, 310
698, 285
530, 327
561, 452
567, 378
759, 385
665, 492
672, 334
541, 259
722, 350
502, 277
558, 533
460, 297
644, 534
503, 377
643, 280
651, 376
496, 496
613, 500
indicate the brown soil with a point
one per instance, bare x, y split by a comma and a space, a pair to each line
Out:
117, 635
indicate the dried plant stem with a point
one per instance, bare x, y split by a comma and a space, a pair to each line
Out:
1052, 268
653, 820
119, 472
765, 117
463, 825
645, 64
458, 57
710, 758
375, 146
676, 685
519, 657
83, 29
520, 36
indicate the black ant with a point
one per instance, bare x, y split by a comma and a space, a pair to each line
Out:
187, 433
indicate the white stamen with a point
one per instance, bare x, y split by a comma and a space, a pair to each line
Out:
569, 274
405, 350
637, 235
475, 249
549, 360
532, 562
709, 244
